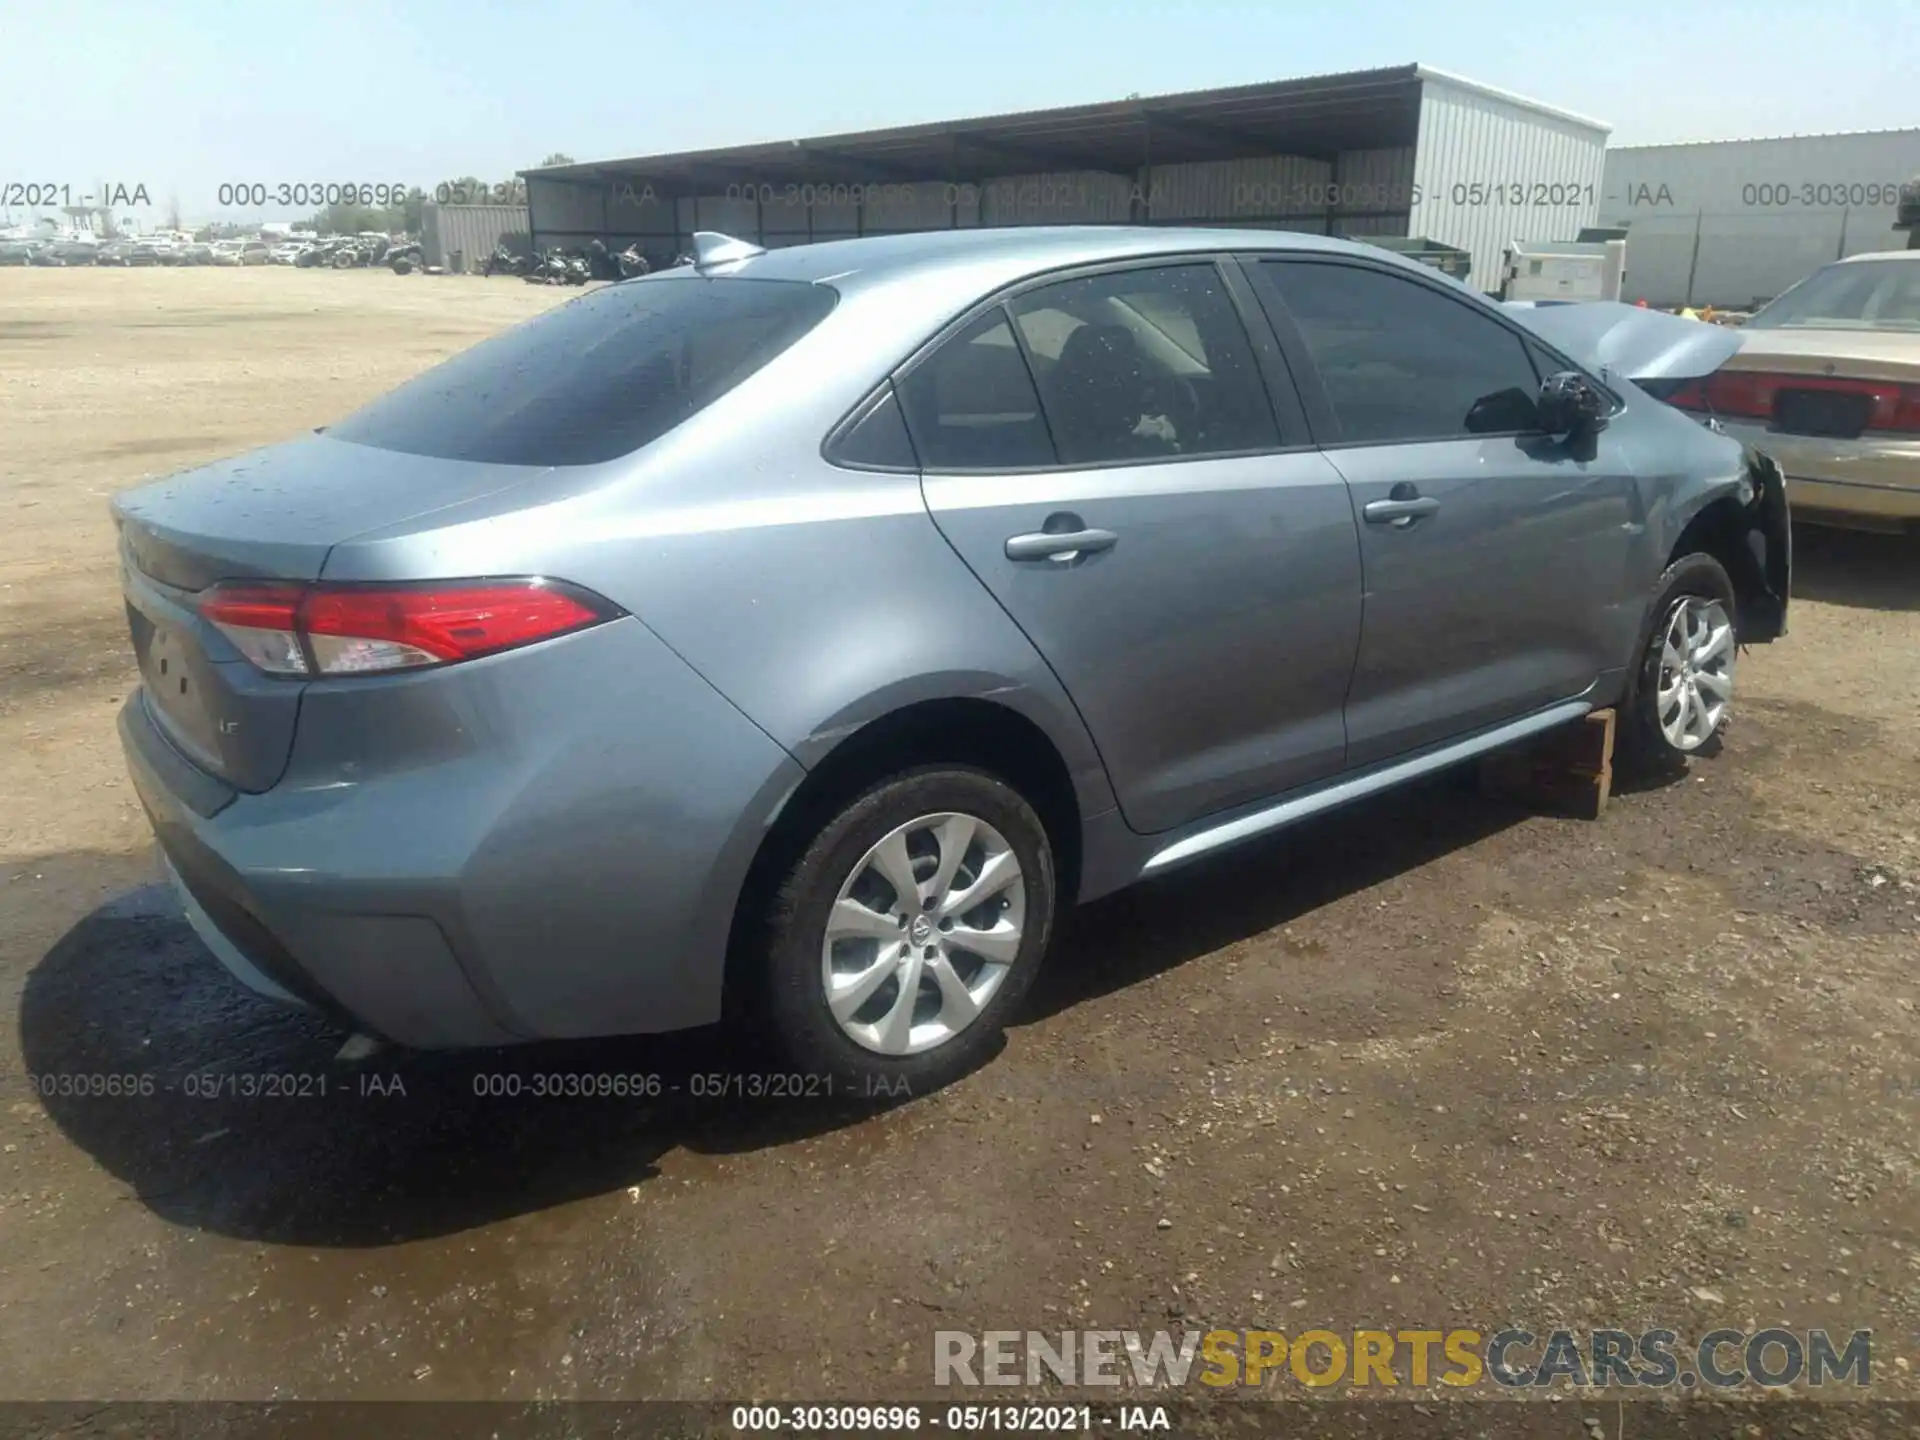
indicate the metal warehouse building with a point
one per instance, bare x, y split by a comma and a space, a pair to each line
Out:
471, 231
1730, 223
1407, 151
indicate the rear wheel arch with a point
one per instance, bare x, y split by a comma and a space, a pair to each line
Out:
961, 731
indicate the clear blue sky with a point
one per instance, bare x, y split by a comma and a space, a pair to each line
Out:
182, 95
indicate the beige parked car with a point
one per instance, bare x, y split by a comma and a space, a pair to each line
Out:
1827, 381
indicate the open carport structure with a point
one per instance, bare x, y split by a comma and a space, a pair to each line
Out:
1393, 152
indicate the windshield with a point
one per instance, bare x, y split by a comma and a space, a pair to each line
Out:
1849, 295
596, 378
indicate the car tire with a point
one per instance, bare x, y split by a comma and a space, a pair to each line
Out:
1682, 685
941, 821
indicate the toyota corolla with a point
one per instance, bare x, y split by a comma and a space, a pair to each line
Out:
797, 633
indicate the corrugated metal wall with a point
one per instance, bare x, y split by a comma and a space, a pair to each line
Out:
1488, 169
1766, 212
632, 213
1360, 192
1491, 170
1254, 192
1374, 191
1069, 197
561, 210
472, 229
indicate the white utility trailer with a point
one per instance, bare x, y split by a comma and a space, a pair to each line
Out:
1570, 271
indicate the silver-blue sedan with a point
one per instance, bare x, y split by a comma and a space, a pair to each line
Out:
796, 633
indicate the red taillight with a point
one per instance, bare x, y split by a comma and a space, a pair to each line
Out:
262, 622
1742, 392
1751, 394
1690, 396
322, 629
1906, 415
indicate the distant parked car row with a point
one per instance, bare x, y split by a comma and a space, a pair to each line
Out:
336, 252
142, 250
45, 251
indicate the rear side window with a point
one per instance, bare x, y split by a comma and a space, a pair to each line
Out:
1401, 362
877, 439
972, 405
596, 378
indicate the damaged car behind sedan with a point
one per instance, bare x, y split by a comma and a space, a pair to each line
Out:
797, 634
1827, 379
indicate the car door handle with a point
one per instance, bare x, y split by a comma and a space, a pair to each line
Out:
1064, 545
1399, 512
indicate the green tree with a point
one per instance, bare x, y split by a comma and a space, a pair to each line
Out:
344, 219
407, 214
558, 157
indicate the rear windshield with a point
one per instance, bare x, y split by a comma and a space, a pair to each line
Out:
1851, 295
596, 378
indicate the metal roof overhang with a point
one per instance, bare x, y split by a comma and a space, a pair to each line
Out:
1315, 118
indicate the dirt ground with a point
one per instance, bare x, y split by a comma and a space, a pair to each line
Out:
1435, 1061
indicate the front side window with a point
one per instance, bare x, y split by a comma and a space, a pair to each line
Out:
1143, 365
1401, 362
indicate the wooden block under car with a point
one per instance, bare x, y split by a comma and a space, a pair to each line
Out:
1568, 770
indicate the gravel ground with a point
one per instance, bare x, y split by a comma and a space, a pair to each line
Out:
1433, 1061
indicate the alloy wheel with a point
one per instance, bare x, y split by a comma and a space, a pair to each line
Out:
1696, 672
922, 933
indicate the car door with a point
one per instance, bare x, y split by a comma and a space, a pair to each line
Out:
1495, 558
1103, 450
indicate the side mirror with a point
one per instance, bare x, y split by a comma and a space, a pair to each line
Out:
1571, 404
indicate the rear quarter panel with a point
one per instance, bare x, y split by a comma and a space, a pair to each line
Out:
814, 598
577, 817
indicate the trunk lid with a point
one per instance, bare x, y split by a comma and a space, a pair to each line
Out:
272, 514
1605, 335
1852, 353
275, 513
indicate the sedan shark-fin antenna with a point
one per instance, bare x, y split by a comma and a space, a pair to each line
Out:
710, 247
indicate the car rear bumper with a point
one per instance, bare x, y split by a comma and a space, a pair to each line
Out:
543, 844
223, 949
1868, 479
393, 975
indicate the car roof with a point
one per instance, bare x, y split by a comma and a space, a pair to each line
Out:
853, 264
1882, 255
